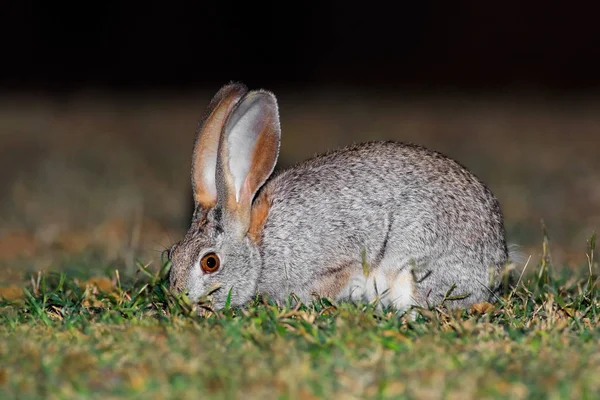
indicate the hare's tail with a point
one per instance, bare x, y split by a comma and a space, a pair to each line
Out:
515, 255
514, 268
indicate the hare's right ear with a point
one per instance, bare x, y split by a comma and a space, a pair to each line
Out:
206, 147
247, 155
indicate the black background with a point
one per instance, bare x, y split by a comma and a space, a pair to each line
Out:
420, 45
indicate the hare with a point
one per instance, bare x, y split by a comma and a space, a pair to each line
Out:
386, 221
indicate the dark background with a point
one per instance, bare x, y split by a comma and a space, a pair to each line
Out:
100, 101
420, 45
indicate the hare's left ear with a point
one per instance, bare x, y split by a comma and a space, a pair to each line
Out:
206, 147
248, 153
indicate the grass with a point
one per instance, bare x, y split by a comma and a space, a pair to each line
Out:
108, 337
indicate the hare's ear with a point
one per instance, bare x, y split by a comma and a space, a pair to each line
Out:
247, 155
206, 146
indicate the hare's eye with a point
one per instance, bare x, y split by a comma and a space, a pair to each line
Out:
210, 263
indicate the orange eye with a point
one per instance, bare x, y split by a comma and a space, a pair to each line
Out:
210, 263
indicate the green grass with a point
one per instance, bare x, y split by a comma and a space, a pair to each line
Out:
65, 337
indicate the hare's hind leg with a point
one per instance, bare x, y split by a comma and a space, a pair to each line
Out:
453, 283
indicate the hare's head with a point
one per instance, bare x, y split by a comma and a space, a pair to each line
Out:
235, 152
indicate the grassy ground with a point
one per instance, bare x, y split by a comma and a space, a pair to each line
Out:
93, 181
105, 337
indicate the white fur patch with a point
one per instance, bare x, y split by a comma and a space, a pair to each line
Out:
388, 288
209, 169
241, 141
196, 282
401, 290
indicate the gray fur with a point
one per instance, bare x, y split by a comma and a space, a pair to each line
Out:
407, 207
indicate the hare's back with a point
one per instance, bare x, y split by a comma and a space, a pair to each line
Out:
383, 172
352, 196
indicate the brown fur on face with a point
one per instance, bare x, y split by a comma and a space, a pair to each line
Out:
259, 214
333, 281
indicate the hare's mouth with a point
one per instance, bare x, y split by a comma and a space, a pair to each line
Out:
214, 288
